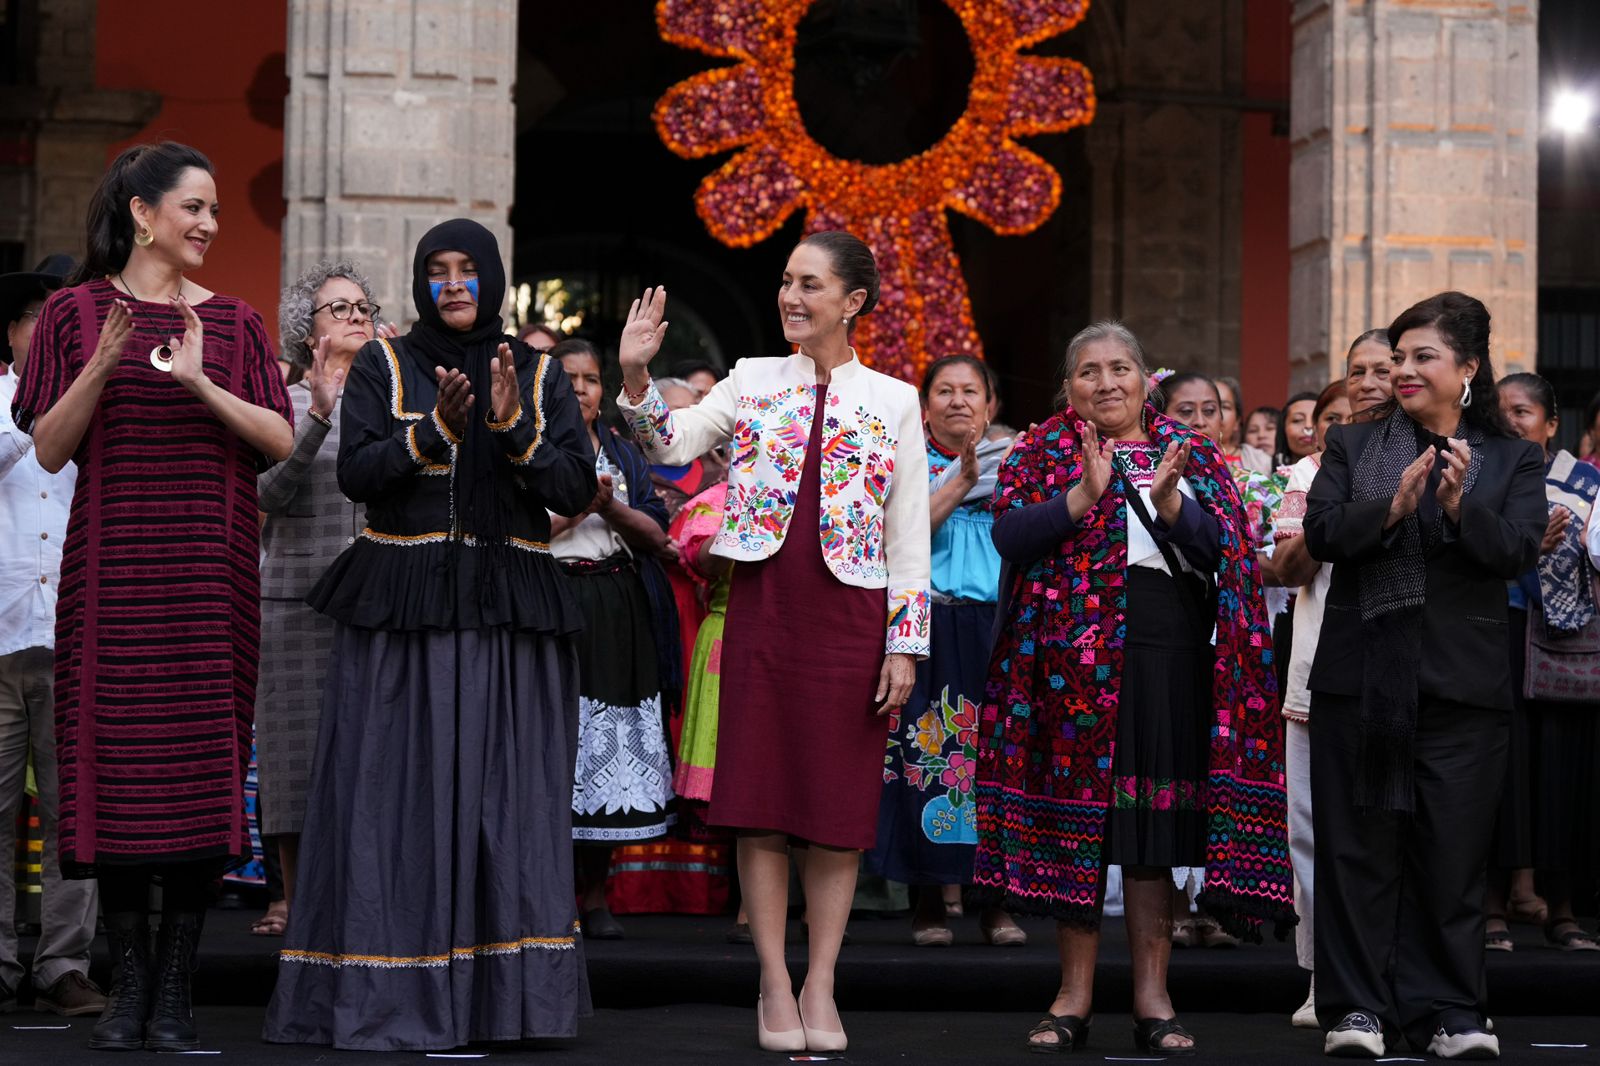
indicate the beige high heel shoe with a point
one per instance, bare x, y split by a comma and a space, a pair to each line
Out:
790, 1040
822, 1040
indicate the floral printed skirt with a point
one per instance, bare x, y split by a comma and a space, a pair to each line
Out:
927, 824
1158, 807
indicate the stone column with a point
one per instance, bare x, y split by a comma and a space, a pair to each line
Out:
64, 125
1414, 127
1164, 148
399, 117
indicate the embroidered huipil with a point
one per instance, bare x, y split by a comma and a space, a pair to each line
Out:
873, 524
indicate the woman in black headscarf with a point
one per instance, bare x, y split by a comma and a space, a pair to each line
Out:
436, 862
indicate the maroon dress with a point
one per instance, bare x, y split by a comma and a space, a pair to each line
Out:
799, 750
157, 625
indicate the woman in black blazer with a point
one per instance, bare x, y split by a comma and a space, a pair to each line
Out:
1426, 509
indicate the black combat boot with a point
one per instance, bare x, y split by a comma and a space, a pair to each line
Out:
171, 1026
121, 1024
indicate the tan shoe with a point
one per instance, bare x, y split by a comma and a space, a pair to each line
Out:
1004, 936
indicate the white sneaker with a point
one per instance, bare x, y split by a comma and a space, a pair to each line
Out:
1358, 1035
1306, 1016
1467, 1044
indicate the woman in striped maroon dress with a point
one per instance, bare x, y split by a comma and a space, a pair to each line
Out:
167, 397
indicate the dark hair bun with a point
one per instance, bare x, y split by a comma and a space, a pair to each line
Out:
148, 171
853, 261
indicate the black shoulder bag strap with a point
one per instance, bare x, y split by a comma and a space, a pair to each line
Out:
1201, 615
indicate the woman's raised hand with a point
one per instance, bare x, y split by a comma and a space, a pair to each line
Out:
1454, 477
324, 385
1096, 462
641, 337
1096, 472
455, 400
113, 336
1555, 531
1412, 482
188, 352
969, 458
504, 394
1164, 492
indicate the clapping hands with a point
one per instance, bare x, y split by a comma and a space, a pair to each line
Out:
1453, 479
1412, 481
1164, 492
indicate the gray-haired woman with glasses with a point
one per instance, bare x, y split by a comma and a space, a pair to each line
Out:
324, 317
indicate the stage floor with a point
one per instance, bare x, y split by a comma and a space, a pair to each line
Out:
676, 992
670, 1036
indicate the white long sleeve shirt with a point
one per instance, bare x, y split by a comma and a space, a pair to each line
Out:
33, 526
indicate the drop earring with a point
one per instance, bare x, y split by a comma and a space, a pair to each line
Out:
1466, 394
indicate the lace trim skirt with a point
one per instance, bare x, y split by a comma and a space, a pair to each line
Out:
622, 790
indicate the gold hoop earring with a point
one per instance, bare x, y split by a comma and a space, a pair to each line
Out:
144, 238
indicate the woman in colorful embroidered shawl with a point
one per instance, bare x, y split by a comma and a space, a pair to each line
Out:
1550, 809
1198, 401
1113, 730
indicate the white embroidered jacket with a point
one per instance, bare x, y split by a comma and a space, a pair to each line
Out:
874, 520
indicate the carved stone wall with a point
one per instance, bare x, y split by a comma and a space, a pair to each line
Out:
1164, 148
1414, 127
399, 116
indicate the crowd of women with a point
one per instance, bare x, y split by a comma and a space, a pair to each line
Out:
1280, 668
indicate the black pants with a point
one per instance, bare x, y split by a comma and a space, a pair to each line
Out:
1399, 896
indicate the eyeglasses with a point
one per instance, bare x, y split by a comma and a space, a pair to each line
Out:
340, 309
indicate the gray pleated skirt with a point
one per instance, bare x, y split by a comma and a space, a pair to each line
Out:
294, 660
434, 905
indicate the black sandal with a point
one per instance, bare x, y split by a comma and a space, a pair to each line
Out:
1149, 1032
1071, 1031
1496, 939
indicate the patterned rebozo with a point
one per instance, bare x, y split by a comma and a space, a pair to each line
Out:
1049, 721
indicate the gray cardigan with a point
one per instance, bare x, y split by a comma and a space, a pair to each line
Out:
308, 520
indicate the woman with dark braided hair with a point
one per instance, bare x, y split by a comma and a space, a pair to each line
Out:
434, 904
1425, 509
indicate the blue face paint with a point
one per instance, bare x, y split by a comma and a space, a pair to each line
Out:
437, 287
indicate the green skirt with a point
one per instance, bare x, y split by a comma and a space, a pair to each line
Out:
697, 745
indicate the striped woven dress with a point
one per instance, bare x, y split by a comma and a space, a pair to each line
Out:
158, 621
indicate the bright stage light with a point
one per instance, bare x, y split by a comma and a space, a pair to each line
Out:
1571, 112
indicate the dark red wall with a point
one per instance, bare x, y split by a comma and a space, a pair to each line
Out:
1264, 280
223, 90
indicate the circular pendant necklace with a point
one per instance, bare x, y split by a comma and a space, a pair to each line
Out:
161, 354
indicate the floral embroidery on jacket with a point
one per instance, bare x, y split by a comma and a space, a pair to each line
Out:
765, 412
856, 447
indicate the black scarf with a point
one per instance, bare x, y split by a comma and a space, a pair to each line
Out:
1393, 587
476, 508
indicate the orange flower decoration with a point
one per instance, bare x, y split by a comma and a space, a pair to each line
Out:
897, 208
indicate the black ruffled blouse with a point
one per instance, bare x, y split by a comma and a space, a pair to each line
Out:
405, 571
